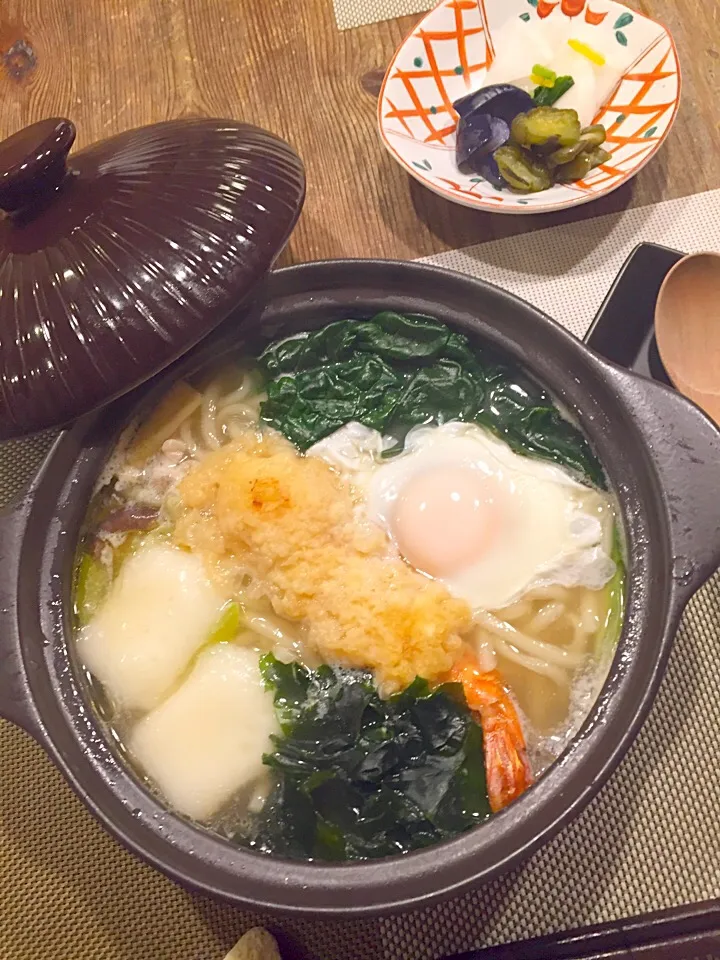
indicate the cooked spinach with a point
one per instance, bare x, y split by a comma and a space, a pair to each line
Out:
394, 372
360, 777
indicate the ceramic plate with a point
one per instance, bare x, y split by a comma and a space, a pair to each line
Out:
448, 54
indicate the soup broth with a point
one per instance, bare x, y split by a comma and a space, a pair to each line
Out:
371, 570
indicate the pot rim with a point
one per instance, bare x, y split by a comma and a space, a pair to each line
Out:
202, 861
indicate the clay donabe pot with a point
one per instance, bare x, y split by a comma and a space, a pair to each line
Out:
662, 458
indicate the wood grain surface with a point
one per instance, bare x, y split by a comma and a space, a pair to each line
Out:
113, 64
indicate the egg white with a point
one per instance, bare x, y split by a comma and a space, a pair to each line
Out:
548, 527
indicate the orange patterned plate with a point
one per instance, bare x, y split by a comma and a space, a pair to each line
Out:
448, 54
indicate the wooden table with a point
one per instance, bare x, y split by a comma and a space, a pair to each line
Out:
114, 64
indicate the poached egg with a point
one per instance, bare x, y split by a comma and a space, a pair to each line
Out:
463, 508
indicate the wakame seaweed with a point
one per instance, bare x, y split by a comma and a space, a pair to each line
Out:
359, 777
395, 372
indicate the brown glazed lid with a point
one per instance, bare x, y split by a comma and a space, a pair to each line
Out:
116, 261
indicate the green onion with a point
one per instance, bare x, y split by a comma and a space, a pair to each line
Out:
549, 96
228, 624
615, 593
545, 73
91, 587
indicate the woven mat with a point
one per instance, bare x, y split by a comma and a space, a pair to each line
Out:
355, 13
649, 841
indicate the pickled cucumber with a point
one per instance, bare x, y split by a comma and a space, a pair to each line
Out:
565, 154
590, 139
546, 126
521, 170
596, 135
581, 166
548, 146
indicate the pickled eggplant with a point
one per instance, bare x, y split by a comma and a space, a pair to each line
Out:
484, 125
512, 143
478, 136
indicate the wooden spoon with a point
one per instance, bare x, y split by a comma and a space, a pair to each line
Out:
687, 329
256, 944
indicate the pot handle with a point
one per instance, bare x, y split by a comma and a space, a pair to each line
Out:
15, 700
685, 447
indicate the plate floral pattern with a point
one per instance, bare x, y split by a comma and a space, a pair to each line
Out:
448, 54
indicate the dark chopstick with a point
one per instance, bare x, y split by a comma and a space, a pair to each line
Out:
684, 933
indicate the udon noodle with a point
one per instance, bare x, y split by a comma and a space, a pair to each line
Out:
229, 404
549, 644
543, 640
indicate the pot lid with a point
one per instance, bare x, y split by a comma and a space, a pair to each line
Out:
118, 259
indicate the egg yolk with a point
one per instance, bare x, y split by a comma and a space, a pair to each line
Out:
443, 519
